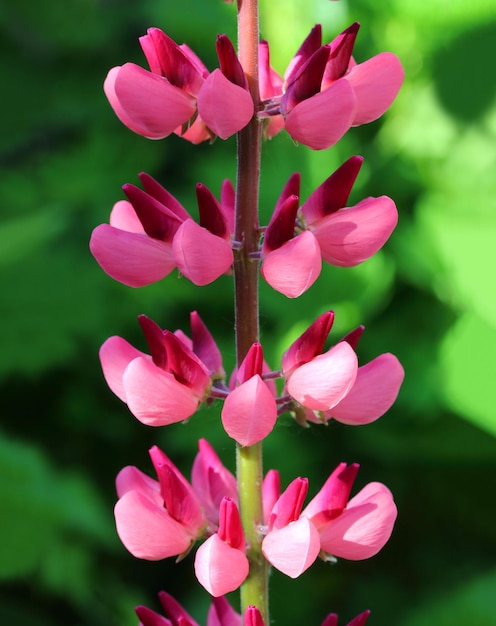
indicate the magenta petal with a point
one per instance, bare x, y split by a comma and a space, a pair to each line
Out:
293, 548
324, 381
133, 259
147, 530
155, 397
225, 107
376, 83
350, 236
295, 266
115, 355
249, 413
323, 119
364, 527
221, 613
374, 392
220, 568
147, 103
201, 256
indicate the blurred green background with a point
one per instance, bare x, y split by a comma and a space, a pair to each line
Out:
428, 297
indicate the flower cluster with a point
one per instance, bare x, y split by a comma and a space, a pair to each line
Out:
180, 373
151, 233
161, 518
321, 83
322, 94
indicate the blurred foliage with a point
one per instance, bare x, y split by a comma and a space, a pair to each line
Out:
428, 297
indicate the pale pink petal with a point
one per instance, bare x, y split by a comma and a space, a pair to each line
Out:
325, 380
196, 133
130, 478
123, 216
225, 108
376, 83
250, 412
115, 355
364, 527
220, 568
320, 121
295, 266
147, 530
293, 548
154, 396
147, 103
350, 236
199, 255
133, 259
376, 387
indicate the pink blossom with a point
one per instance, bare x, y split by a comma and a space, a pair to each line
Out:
178, 94
250, 412
161, 388
157, 519
152, 233
323, 83
352, 529
297, 239
220, 563
292, 541
212, 481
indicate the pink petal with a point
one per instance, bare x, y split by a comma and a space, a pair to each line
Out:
253, 617
249, 413
225, 108
196, 133
220, 568
376, 83
115, 355
332, 498
292, 549
321, 383
364, 527
323, 119
308, 345
132, 479
199, 255
147, 103
147, 530
155, 397
133, 259
147, 617
295, 266
350, 236
123, 216
271, 490
374, 392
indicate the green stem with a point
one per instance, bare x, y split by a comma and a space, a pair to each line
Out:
254, 590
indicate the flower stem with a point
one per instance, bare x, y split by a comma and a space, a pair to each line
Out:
254, 590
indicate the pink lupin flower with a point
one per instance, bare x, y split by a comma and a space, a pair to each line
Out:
157, 519
347, 236
152, 233
297, 240
352, 529
289, 264
250, 412
319, 381
324, 83
160, 389
136, 247
292, 541
192, 240
212, 482
178, 94
220, 562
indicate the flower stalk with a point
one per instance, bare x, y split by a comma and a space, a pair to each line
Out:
249, 459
